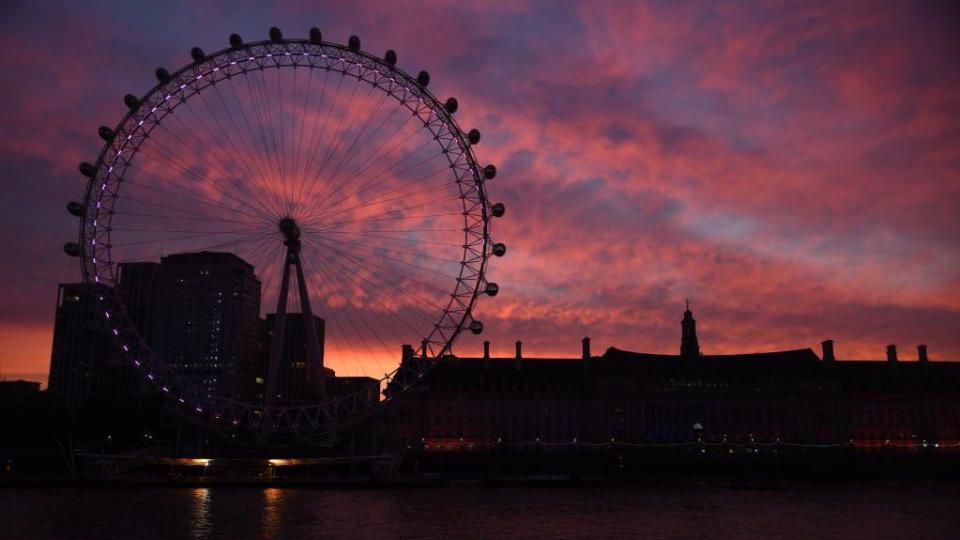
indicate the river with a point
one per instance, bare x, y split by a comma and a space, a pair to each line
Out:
656, 510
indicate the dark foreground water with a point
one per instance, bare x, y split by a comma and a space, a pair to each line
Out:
675, 510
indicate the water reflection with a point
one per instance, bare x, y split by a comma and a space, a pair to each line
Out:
273, 502
202, 524
666, 510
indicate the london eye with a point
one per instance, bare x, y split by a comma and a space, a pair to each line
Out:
346, 185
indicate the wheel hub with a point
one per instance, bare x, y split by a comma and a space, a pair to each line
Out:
291, 231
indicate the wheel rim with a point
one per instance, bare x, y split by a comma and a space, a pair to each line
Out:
146, 121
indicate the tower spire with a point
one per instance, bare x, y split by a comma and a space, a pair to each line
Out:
689, 345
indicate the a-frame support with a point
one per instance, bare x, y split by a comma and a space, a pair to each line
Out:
291, 232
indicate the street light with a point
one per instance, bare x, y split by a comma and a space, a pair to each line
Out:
698, 430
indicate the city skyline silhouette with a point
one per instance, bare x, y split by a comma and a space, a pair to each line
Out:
520, 269
700, 174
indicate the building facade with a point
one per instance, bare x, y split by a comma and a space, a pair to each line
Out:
296, 380
200, 312
209, 313
623, 397
83, 362
904, 403
139, 287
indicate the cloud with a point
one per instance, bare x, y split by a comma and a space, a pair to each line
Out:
795, 170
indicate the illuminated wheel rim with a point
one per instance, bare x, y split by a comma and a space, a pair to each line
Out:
113, 182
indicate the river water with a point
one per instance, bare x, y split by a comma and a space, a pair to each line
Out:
662, 510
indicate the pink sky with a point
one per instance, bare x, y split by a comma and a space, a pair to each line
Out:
792, 169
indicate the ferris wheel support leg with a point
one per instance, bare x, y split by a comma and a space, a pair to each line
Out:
276, 341
314, 352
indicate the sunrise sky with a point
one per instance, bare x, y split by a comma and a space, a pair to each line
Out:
792, 168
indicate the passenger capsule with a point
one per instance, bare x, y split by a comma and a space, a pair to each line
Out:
276, 35
75, 208
131, 101
236, 41
499, 249
423, 79
390, 57
476, 326
87, 169
197, 54
316, 36
106, 133
354, 43
491, 289
474, 136
498, 209
489, 172
72, 249
451, 105
162, 75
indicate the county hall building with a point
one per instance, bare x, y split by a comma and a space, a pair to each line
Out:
623, 397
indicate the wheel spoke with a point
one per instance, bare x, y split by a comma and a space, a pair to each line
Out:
365, 179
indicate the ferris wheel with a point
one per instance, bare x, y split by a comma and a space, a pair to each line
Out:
325, 169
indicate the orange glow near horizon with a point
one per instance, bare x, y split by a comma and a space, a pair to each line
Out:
793, 170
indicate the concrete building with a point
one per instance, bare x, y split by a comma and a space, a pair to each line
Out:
297, 383
139, 287
900, 402
83, 362
628, 397
16, 393
209, 308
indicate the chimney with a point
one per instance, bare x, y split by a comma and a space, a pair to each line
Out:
423, 349
406, 353
486, 350
922, 354
828, 357
519, 354
892, 354
586, 360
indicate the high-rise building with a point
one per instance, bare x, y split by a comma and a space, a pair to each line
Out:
78, 344
82, 362
297, 382
138, 285
209, 309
